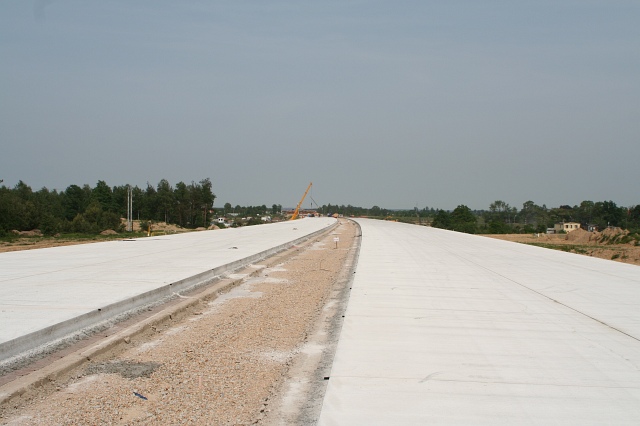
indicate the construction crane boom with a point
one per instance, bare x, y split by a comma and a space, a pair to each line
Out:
295, 213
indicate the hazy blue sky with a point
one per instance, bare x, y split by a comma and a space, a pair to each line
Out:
388, 103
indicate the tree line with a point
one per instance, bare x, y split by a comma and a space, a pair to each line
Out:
86, 209
248, 211
501, 218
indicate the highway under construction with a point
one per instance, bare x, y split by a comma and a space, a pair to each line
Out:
439, 327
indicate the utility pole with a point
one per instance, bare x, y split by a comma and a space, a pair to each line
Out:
129, 209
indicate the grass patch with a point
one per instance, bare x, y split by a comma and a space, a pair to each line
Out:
625, 239
8, 238
562, 247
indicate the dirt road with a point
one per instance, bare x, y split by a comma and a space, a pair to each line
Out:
254, 355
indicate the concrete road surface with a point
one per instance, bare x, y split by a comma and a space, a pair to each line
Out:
449, 328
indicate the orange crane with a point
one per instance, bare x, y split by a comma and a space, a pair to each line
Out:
295, 213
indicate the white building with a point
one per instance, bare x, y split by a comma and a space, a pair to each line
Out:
566, 226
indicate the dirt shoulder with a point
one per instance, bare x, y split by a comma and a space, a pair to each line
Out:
34, 239
580, 242
255, 354
31, 243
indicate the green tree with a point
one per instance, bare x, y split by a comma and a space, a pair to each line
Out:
612, 215
102, 194
463, 220
181, 196
633, 218
529, 213
564, 213
375, 211
499, 211
74, 201
533, 217
442, 219
95, 220
207, 198
119, 197
24, 209
13, 211
166, 200
584, 212
137, 195
149, 206
49, 211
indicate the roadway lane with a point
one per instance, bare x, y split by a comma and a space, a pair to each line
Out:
449, 328
40, 289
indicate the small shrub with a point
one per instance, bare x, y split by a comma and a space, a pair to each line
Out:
615, 256
625, 239
7, 237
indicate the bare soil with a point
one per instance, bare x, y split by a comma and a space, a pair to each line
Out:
594, 244
29, 240
256, 354
158, 227
20, 244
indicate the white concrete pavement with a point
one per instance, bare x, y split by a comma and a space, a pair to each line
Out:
449, 328
47, 293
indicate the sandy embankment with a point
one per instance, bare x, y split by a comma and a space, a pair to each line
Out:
594, 244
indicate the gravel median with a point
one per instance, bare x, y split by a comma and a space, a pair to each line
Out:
256, 354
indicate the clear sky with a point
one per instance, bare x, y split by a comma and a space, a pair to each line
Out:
391, 103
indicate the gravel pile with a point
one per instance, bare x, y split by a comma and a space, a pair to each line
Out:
224, 365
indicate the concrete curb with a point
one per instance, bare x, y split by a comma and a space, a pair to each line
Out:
57, 370
18, 346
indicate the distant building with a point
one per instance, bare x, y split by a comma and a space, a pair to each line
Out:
566, 227
223, 221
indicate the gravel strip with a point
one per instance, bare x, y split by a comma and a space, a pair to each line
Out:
226, 364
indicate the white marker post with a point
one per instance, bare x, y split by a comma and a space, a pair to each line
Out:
335, 240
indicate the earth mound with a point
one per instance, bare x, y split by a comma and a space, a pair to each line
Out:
32, 233
580, 236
